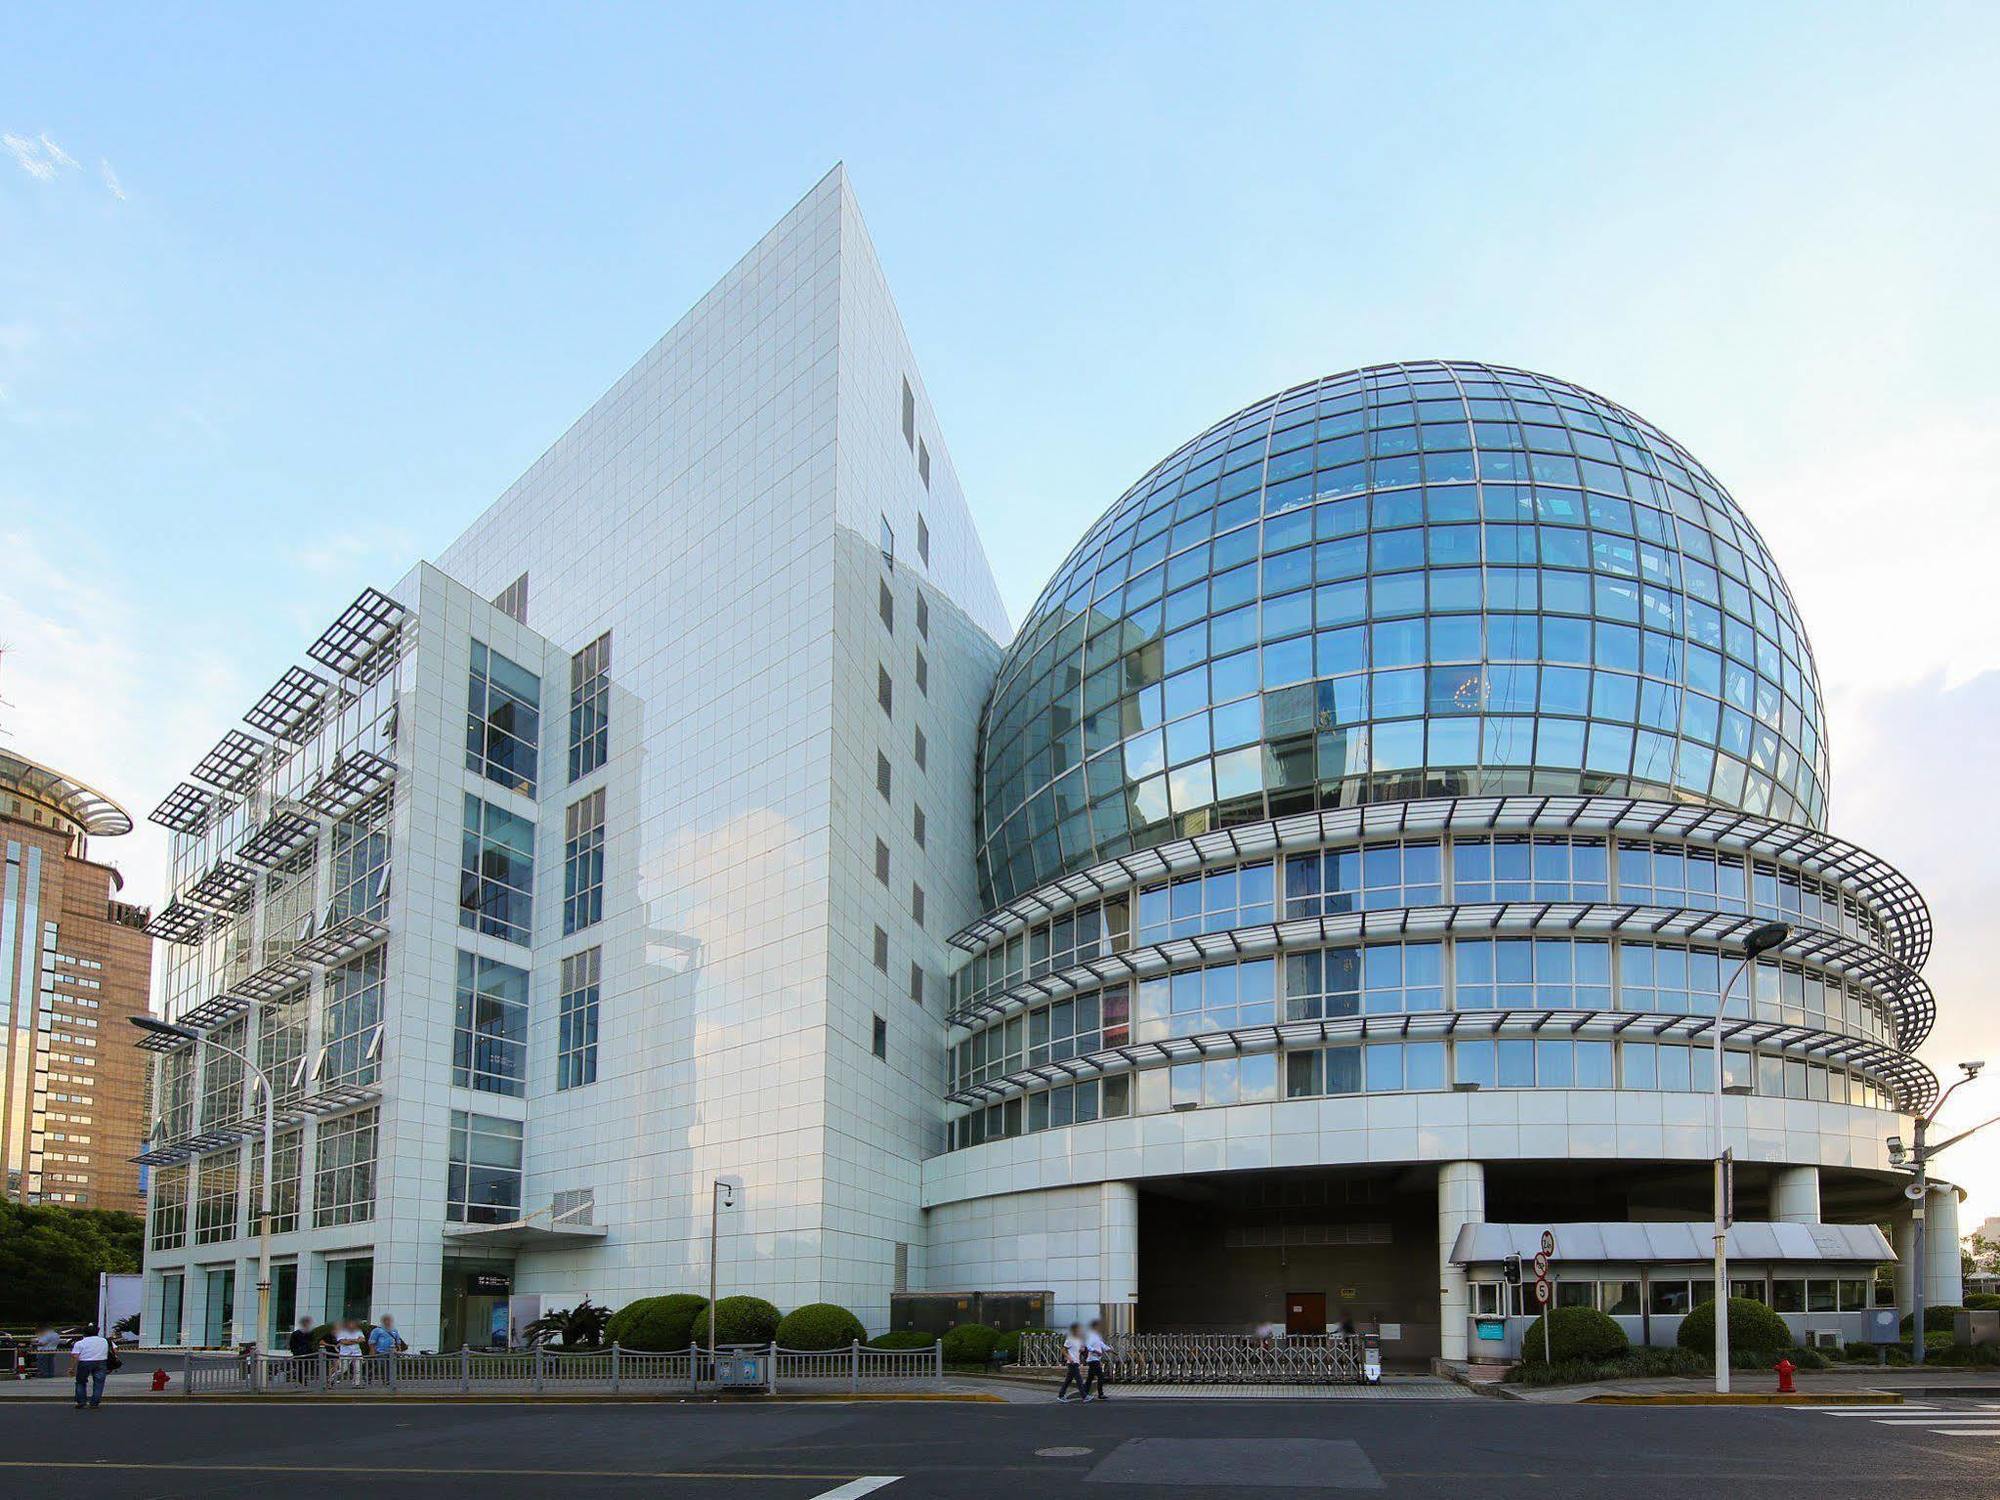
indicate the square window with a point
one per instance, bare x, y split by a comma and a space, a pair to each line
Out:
885, 691
881, 950
881, 1040
923, 675
917, 904
923, 606
922, 753
917, 983
885, 604
881, 861
923, 473
917, 826
882, 774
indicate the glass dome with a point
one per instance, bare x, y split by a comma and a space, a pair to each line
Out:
1418, 580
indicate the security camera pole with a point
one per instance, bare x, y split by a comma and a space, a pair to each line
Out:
1761, 940
1918, 1193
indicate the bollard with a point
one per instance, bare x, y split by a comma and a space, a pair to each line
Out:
854, 1367
614, 1368
537, 1363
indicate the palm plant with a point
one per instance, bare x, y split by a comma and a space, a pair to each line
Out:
579, 1327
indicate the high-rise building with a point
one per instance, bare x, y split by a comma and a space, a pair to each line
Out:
74, 963
1335, 881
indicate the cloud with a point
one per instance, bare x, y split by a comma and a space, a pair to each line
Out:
41, 158
110, 179
343, 554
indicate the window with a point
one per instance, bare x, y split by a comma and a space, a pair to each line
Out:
923, 675
885, 691
497, 872
287, 1155
909, 414
222, 1076
513, 599
881, 950
502, 720
924, 530
917, 904
344, 1170
215, 1198
885, 605
489, 1044
350, 1020
881, 1042
576, 1037
917, 983
923, 605
923, 750
590, 707
888, 545
881, 861
923, 473
917, 825
483, 1180
583, 862
882, 774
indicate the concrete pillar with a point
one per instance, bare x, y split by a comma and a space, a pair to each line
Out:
1795, 1195
1118, 1256
1906, 1251
1944, 1284
1461, 1201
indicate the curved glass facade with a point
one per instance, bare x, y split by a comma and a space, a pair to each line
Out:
1408, 581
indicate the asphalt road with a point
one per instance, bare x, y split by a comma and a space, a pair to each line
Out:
968, 1452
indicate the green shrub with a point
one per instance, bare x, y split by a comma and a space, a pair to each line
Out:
819, 1325
1806, 1359
1008, 1345
970, 1344
1858, 1351
1752, 1326
655, 1322
902, 1338
739, 1320
1983, 1301
1639, 1364
1936, 1319
1936, 1341
1575, 1333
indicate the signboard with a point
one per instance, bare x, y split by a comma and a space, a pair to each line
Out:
1541, 1264
487, 1284
1492, 1330
1543, 1291
1549, 1243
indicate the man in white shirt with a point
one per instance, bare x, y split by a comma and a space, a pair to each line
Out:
1094, 1350
92, 1354
1072, 1363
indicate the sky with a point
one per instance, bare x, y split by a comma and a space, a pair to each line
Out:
288, 296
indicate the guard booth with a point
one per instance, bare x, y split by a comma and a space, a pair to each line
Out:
1820, 1278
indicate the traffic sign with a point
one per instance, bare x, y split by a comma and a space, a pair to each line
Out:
1541, 1264
1548, 1242
1543, 1292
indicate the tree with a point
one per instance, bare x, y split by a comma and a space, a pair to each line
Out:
1982, 1256
50, 1258
579, 1327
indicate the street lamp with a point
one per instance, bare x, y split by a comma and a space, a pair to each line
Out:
156, 1027
1761, 940
1919, 1194
722, 1194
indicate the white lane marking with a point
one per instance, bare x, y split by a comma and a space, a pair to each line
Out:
1967, 1431
867, 1484
1936, 1416
1870, 1411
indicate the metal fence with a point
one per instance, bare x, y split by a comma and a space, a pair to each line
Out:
613, 1371
1212, 1358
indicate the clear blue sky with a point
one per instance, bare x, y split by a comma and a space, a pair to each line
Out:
284, 302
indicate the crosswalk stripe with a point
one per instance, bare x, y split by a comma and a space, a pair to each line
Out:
1988, 1431
1936, 1416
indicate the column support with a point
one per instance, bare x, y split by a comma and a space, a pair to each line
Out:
1461, 1197
1118, 1257
1795, 1195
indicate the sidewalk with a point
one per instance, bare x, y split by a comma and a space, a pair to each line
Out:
1930, 1381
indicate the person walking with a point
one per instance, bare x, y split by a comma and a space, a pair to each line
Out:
1094, 1351
1072, 1363
92, 1354
47, 1343
385, 1343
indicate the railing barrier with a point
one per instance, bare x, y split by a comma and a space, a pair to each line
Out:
1211, 1358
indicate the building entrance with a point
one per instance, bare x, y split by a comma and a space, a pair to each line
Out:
1305, 1312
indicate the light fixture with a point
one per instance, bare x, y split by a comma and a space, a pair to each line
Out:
1764, 939
1896, 1152
1971, 1069
1465, 1088
157, 1027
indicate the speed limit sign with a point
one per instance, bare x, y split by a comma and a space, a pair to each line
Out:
1543, 1292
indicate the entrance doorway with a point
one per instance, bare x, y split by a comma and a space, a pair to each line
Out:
1305, 1312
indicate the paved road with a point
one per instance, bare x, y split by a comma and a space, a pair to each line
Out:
1180, 1450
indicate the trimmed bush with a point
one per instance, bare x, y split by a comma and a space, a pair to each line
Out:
1576, 1334
902, 1338
1983, 1301
739, 1320
1752, 1326
970, 1344
1936, 1319
655, 1322
819, 1325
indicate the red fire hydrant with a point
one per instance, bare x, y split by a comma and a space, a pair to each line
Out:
159, 1380
1785, 1369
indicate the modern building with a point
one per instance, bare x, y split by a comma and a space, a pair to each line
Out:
74, 963
1335, 880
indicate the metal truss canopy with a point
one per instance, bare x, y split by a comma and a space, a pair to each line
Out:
352, 781
278, 838
232, 765
1812, 852
227, 887
346, 939
291, 706
177, 922
186, 809
353, 646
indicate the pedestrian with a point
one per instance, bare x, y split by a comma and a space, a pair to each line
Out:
1072, 1363
385, 1343
92, 1354
301, 1345
1094, 1351
347, 1343
46, 1343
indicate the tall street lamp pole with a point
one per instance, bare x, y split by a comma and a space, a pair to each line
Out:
187, 1034
1919, 1192
1761, 940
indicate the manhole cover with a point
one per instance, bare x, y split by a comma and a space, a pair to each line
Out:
1062, 1453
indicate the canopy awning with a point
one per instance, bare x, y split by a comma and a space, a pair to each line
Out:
1676, 1243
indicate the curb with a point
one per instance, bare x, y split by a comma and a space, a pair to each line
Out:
529, 1398
1749, 1398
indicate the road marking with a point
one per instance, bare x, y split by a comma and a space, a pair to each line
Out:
1936, 1416
1065, 1452
1870, 1411
874, 1482
855, 1488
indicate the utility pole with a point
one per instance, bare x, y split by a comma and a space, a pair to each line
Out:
1918, 1192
